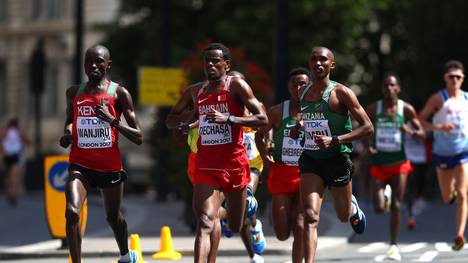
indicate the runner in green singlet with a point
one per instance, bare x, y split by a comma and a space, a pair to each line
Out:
326, 107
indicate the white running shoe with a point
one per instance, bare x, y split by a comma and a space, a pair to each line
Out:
393, 253
257, 259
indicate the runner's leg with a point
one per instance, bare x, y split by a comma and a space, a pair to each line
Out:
378, 195
76, 191
461, 186
446, 183
398, 185
298, 229
311, 189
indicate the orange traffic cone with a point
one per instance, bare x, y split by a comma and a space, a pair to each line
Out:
166, 248
135, 246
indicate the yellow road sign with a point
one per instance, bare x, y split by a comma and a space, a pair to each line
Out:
160, 86
55, 178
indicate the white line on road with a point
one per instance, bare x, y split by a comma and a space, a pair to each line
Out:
380, 258
413, 247
442, 247
372, 247
428, 256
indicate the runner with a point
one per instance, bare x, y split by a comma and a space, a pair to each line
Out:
389, 166
449, 108
13, 142
222, 164
283, 178
91, 128
326, 107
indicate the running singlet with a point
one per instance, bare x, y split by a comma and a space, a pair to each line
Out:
320, 120
95, 142
12, 142
388, 138
251, 149
454, 111
287, 150
219, 145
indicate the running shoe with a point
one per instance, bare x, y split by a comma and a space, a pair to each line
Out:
257, 259
258, 239
411, 223
358, 220
387, 198
458, 243
225, 228
252, 206
393, 253
453, 197
133, 257
419, 206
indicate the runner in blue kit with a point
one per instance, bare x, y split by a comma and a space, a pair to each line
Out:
449, 108
326, 110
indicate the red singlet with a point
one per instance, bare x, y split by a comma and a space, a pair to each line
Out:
95, 143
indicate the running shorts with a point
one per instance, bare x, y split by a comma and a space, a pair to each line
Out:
383, 173
449, 162
11, 160
98, 179
283, 179
335, 171
232, 180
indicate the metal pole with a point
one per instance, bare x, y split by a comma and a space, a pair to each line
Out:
78, 40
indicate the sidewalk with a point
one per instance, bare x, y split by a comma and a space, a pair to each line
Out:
145, 218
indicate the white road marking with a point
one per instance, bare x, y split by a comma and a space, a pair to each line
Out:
442, 247
413, 247
428, 256
380, 258
372, 247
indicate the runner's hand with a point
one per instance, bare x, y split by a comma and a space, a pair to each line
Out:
322, 141
406, 129
268, 160
214, 116
102, 112
296, 131
183, 128
371, 150
445, 127
66, 140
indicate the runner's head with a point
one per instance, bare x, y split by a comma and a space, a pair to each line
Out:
454, 74
97, 62
298, 78
390, 86
217, 61
321, 62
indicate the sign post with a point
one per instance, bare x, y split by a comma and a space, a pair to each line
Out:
55, 178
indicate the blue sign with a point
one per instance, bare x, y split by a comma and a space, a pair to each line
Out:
58, 176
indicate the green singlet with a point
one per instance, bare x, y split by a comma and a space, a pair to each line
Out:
388, 138
319, 119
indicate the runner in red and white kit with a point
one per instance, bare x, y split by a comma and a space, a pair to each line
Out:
92, 127
222, 164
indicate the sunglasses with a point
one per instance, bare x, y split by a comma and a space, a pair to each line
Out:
458, 77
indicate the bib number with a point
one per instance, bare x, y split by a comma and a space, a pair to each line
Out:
214, 133
250, 146
388, 139
312, 128
291, 151
93, 133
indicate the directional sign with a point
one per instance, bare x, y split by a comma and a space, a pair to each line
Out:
160, 86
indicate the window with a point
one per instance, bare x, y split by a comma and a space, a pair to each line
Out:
49, 96
36, 11
55, 9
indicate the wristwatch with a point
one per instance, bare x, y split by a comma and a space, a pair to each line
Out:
231, 119
335, 140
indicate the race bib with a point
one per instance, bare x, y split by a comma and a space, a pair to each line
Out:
312, 128
93, 133
388, 139
214, 133
250, 146
291, 151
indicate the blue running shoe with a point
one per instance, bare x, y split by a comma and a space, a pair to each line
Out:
225, 229
252, 206
133, 257
258, 239
358, 220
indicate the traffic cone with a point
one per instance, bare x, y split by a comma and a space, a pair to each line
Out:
166, 247
135, 246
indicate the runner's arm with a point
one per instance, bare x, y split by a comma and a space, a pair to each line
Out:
417, 131
132, 131
176, 119
67, 138
433, 104
262, 134
367, 141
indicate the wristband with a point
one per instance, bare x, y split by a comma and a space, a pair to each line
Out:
114, 122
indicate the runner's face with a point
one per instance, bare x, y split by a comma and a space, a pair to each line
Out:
215, 64
96, 64
321, 63
295, 84
390, 88
454, 78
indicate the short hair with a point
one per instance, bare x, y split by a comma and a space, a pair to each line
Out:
453, 64
218, 46
391, 74
298, 71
